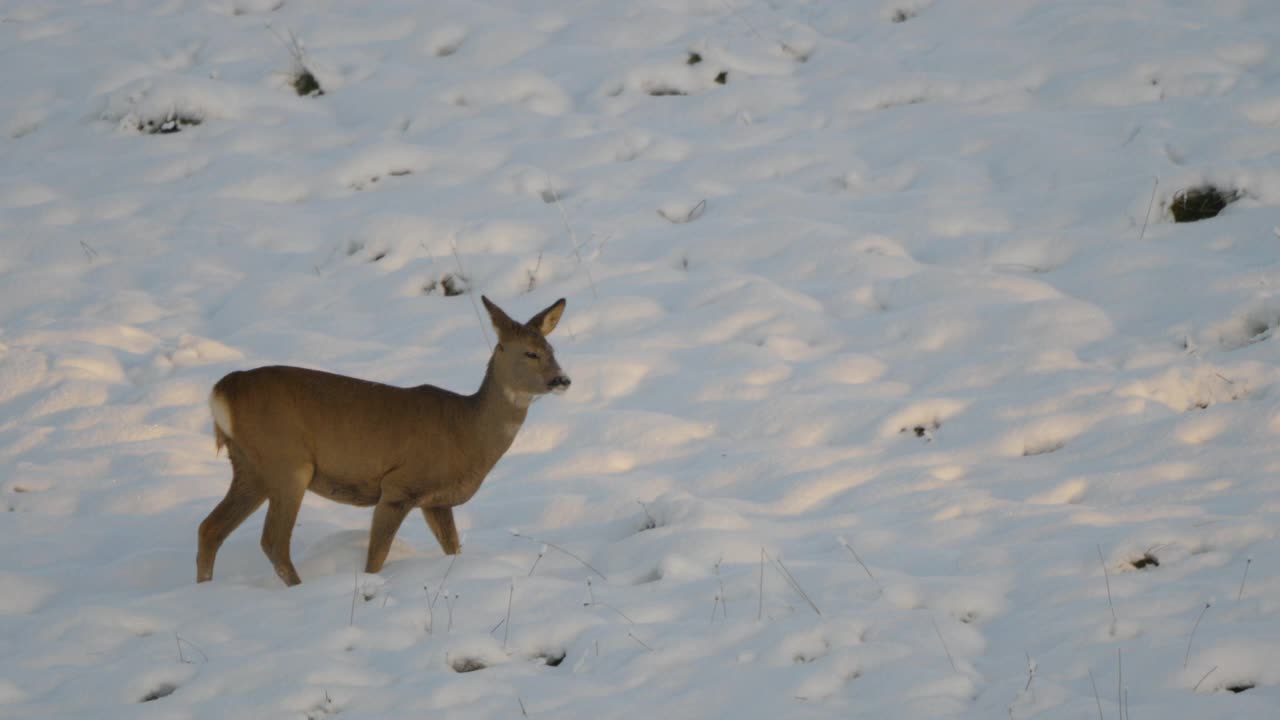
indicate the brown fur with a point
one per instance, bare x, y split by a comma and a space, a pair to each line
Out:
288, 430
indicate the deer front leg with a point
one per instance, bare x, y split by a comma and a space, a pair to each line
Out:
387, 516
440, 520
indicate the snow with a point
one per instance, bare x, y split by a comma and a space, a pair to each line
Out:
890, 366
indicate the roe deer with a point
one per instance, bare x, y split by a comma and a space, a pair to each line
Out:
288, 430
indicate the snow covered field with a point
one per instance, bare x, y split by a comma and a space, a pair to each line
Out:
891, 277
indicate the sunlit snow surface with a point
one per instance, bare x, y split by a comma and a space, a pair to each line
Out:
904, 284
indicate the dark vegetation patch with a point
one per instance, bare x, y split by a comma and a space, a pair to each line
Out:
169, 124
652, 576
305, 83
1240, 687
1201, 203
664, 91
449, 285
551, 658
693, 59
902, 15
1147, 560
722, 77
650, 522
922, 430
467, 664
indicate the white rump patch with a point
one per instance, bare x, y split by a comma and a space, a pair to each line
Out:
221, 413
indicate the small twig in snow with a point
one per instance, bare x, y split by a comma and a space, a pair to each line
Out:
523, 712
541, 552
1248, 561
795, 585
943, 640
1031, 676
449, 603
1096, 698
431, 605
760, 610
1107, 577
355, 590
573, 237
180, 641
1120, 682
866, 569
696, 211
475, 307
1191, 638
592, 602
653, 523
533, 274
724, 604
1150, 202
643, 643
1203, 678
507, 630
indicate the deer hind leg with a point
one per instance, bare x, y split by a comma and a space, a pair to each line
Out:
284, 500
440, 520
243, 497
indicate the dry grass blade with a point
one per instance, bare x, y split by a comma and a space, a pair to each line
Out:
1191, 638
867, 570
1203, 678
1106, 576
556, 547
760, 609
573, 237
943, 640
475, 307
795, 585
511, 593
1096, 697
1150, 202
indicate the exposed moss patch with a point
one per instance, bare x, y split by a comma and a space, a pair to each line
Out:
1201, 203
693, 59
722, 77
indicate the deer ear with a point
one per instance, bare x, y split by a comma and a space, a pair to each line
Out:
546, 321
501, 322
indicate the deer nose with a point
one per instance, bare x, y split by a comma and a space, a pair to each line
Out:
560, 383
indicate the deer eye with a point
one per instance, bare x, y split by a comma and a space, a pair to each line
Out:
531, 355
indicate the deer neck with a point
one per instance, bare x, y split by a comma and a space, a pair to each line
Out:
500, 411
